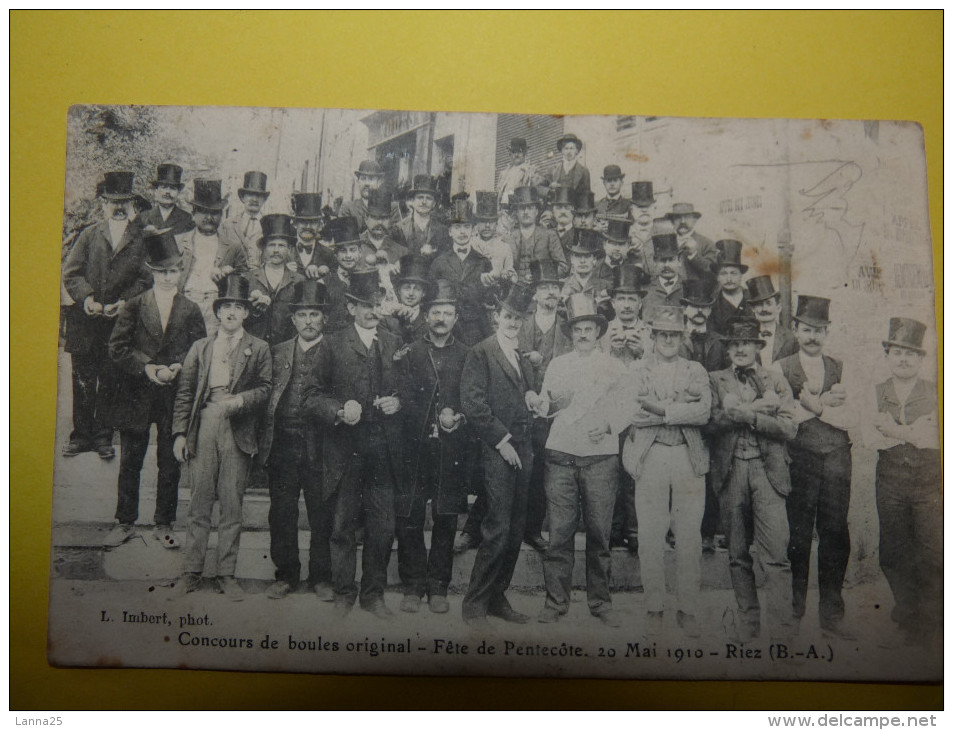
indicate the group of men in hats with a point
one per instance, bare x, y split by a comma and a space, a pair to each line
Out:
624, 369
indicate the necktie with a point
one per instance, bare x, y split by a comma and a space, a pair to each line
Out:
744, 375
249, 226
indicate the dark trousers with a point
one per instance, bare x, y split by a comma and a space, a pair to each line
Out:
366, 489
503, 526
290, 474
94, 385
474, 524
536, 499
820, 495
133, 444
711, 519
625, 523
911, 539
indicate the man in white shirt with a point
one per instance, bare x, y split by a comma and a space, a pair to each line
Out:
581, 463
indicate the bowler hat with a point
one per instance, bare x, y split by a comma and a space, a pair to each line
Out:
341, 231
667, 318
277, 225
612, 172
581, 307
255, 182
698, 293
232, 288
486, 206
642, 195
379, 203
524, 195
729, 254
369, 167
906, 333
310, 294
518, 144
117, 185
306, 206
628, 278
760, 288
568, 138
168, 174
207, 194
443, 291
519, 299
813, 311
743, 329
665, 245
460, 211
587, 241
585, 203
544, 272
618, 230
683, 209
424, 184
161, 249
364, 286
412, 267
562, 195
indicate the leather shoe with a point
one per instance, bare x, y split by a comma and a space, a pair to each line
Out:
278, 589
548, 615
379, 609
465, 541
537, 542
75, 447
119, 534
410, 603
230, 587
105, 451
837, 630
507, 613
439, 604
609, 617
324, 592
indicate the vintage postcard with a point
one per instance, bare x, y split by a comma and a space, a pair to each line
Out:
417, 392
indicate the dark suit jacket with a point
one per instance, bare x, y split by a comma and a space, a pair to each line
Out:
709, 351
322, 256
338, 317
408, 332
466, 274
437, 235
656, 296
390, 248
722, 310
229, 253
250, 367
577, 180
138, 340
618, 207
273, 325
815, 435
341, 374
492, 394
179, 221
785, 344
530, 335
544, 246
772, 431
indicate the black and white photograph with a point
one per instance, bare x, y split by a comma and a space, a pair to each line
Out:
441, 393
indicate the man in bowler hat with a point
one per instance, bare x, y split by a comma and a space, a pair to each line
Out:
165, 192
614, 204
245, 228
369, 176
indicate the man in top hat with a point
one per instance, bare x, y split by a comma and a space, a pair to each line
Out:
489, 242
614, 203
292, 446
752, 420
584, 211
369, 177
665, 288
245, 228
344, 237
165, 192
731, 299
104, 269
222, 394
765, 303
904, 429
531, 241
642, 215
562, 209
820, 466
355, 394
312, 258
618, 248
411, 284
667, 399
376, 237
152, 336
570, 173
273, 283
585, 258
437, 454
420, 232
494, 387
581, 462
520, 173
696, 253
207, 255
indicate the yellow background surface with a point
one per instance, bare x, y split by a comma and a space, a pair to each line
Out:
855, 65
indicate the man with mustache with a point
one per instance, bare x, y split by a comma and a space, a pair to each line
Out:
581, 463
696, 253
732, 299
570, 173
820, 467
376, 238
642, 215
411, 284
665, 288
245, 228
530, 241
614, 203
765, 303
369, 177
584, 211
311, 257
355, 395
345, 239
562, 210
165, 192
273, 283
617, 248
104, 268
585, 257
420, 232
489, 242
437, 448
519, 173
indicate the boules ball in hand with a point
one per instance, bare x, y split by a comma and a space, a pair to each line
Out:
446, 418
371, 259
534, 358
164, 375
426, 249
352, 410
323, 271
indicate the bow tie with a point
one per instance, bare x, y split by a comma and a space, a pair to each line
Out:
699, 336
463, 251
305, 249
745, 374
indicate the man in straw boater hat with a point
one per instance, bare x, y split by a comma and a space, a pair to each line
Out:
411, 283
311, 257
376, 237
488, 241
905, 431
614, 203
292, 446
273, 283
752, 420
221, 398
764, 302
245, 228
369, 176
519, 173
582, 463
207, 255
104, 269
731, 299
420, 232
696, 253
569, 172
820, 466
529, 240
355, 393
152, 336
494, 387
437, 442
667, 399
165, 192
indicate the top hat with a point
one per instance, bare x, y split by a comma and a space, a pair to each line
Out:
309, 294
486, 206
743, 329
424, 184
760, 288
524, 195
161, 249
379, 204
587, 241
683, 209
117, 185
698, 293
612, 172
442, 291
618, 230
277, 225
208, 194
562, 195
667, 318
906, 333
460, 210
364, 286
544, 272
518, 144
232, 288
343, 230
519, 299
642, 195
813, 311
585, 203
729, 254
306, 205
369, 167
255, 182
568, 138
582, 307
665, 245
168, 174
628, 278
412, 267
